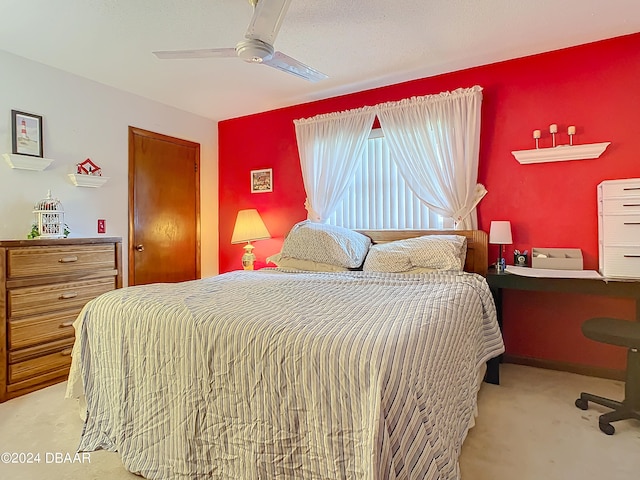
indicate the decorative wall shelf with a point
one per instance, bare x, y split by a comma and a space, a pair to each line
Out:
561, 153
26, 162
93, 181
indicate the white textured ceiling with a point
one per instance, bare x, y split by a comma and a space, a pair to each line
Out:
359, 44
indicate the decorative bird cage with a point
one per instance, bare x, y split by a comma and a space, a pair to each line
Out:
49, 217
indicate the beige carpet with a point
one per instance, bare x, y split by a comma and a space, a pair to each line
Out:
527, 429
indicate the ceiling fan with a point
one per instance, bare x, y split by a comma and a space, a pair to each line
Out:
258, 46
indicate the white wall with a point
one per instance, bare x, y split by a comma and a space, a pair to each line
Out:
85, 119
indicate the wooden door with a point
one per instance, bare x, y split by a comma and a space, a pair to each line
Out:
164, 208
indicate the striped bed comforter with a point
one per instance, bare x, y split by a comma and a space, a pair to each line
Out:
275, 375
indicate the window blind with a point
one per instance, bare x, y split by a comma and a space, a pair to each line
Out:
379, 198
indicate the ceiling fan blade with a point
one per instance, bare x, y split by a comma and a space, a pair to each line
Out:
291, 65
202, 53
267, 19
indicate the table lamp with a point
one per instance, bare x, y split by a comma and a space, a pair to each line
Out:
500, 233
249, 227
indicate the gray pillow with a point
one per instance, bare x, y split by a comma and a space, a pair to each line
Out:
322, 243
437, 252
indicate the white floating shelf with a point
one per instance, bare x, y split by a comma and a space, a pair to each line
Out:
26, 162
92, 181
561, 153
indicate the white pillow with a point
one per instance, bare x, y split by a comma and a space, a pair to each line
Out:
308, 265
436, 252
326, 244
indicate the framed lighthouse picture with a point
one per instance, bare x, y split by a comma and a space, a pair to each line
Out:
26, 130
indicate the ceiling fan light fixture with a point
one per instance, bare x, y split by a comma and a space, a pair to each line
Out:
254, 51
258, 44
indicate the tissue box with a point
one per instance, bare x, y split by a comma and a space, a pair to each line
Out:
557, 258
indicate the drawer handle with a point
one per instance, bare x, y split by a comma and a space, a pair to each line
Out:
66, 324
70, 259
631, 223
631, 204
631, 188
66, 352
67, 295
631, 256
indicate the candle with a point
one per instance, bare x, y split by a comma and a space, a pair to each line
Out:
536, 134
571, 131
553, 128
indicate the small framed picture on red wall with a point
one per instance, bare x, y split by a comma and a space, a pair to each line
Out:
262, 180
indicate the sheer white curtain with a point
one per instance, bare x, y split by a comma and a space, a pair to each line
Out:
330, 147
435, 141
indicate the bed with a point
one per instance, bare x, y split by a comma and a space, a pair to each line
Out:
289, 374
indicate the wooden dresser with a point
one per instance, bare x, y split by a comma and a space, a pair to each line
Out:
43, 286
619, 228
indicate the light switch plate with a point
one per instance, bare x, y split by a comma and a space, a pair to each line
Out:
102, 226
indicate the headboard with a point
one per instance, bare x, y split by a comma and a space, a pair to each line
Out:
477, 255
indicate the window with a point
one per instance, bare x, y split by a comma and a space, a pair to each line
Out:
379, 198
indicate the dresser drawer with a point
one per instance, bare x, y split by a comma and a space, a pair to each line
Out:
621, 188
624, 206
621, 262
621, 229
41, 329
51, 260
29, 301
36, 361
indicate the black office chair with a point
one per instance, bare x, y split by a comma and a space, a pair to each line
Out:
625, 334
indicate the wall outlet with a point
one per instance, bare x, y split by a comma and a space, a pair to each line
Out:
102, 226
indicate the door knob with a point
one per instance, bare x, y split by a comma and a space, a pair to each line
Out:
140, 248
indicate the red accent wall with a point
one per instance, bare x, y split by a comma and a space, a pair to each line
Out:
593, 86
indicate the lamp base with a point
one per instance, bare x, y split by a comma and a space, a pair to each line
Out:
501, 263
248, 258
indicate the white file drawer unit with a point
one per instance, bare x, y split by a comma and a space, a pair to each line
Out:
619, 228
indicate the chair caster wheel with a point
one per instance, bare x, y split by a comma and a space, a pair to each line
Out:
582, 404
607, 428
